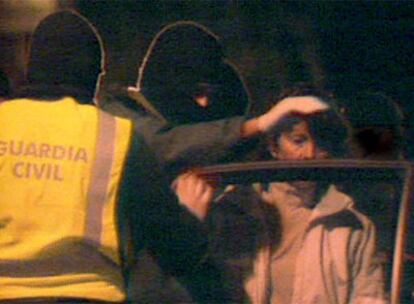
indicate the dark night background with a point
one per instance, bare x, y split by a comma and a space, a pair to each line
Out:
345, 46
348, 46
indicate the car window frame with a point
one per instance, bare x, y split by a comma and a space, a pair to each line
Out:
333, 170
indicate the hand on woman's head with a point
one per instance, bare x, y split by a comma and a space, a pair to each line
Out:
304, 105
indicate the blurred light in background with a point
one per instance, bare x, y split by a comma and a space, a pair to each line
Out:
22, 16
18, 19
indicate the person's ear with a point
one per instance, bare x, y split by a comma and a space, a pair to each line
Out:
273, 149
274, 153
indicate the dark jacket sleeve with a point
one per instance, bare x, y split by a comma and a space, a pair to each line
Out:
151, 217
156, 219
189, 145
196, 144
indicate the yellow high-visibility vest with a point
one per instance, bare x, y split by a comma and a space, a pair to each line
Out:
60, 169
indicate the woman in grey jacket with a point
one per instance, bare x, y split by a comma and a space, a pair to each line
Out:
308, 243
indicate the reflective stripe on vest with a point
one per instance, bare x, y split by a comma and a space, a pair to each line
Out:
101, 169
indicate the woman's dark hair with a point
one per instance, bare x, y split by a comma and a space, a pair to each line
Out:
329, 128
306, 89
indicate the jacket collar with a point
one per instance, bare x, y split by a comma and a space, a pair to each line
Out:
332, 202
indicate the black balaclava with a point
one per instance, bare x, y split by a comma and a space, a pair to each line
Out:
4, 85
66, 51
184, 60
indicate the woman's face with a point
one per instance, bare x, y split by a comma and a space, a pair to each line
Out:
297, 144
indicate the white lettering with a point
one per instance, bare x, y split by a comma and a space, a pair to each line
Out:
58, 152
43, 150
17, 169
38, 171
81, 155
30, 150
14, 150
